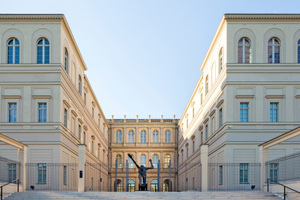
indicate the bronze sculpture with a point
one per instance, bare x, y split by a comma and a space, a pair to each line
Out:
142, 173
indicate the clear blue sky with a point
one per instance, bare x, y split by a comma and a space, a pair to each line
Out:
143, 56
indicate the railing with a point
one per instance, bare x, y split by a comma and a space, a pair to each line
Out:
2, 186
284, 187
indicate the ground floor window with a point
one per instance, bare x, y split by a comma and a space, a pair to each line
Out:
42, 173
12, 172
244, 173
274, 172
131, 185
154, 186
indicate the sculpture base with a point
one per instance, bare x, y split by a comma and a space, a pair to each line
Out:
143, 187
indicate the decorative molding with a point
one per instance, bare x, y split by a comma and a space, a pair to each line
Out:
187, 145
212, 112
80, 120
181, 150
103, 150
11, 96
99, 145
244, 96
93, 137
41, 96
297, 96
193, 103
193, 137
274, 96
200, 127
187, 115
85, 127
66, 103
220, 103
74, 113
93, 103
205, 121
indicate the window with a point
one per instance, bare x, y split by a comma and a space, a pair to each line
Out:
12, 112
220, 60
43, 47
274, 172
119, 137
119, 161
65, 175
167, 160
193, 112
13, 51
98, 153
42, 167
206, 131
79, 85
143, 160
201, 135
187, 123
84, 137
131, 137
131, 185
243, 112
155, 136
92, 146
93, 112
119, 186
181, 156
130, 162
143, 136
298, 53
79, 132
206, 85
42, 112
220, 117
274, 50
273, 112
66, 118
12, 172
221, 175
84, 98
187, 153
244, 51
168, 136
244, 173
66, 60
193, 146
155, 160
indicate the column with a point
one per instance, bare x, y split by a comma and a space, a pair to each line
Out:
204, 167
81, 167
148, 134
263, 158
22, 158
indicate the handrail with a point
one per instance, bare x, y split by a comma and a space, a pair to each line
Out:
18, 183
284, 187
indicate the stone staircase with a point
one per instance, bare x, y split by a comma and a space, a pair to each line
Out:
141, 195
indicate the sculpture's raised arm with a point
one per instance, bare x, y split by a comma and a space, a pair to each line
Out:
151, 165
131, 157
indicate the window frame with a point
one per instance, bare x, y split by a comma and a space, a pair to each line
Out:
243, 53
143, 139
272, 53
44, 111
14, 113
131, 136
243, 110
118, 136
11, 171
66, 60
167, 136
244, 173
42, 172
15, 54
155, 136
274, 115
44, 51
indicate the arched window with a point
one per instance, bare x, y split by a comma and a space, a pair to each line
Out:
43, 51
244, 51
119, 137
206, 85
167, 136
13, 51
79, 84
167, 161
167, 185
298, 53
130, 162
119, 161
155, 160
154, 186
131, 185
274, 50
221, 60
143, 136
119, 185
131, 137
155, 136
66, 60
143, 160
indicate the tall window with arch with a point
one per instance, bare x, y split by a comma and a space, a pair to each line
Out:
143, 136
79, 84
131, 136
298, 51
13, 51
206, 85
168, 136
221, 60
119, 136
119, 161
130, 162
66, 64
244, 50
274, 50
143, 160
43, 51
155, 160
167, 161
155, 136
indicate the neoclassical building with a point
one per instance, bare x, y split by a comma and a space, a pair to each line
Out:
248, 93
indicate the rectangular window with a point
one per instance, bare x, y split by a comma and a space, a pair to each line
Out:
65, 175
143, 137
12, 112
12, 172
193, 146
243, 112
273, 112
79, 132
220, 117
42, 173
42, 112
130, 137
93, 111
84, 137
92, 146
274, 172
66, 118
221, 175
206, 131
84, 98
119, 138
201, 135
155, 137
244, 173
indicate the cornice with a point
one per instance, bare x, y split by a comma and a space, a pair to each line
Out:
31, 16
263, 16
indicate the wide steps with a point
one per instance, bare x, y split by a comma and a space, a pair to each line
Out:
141, 195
